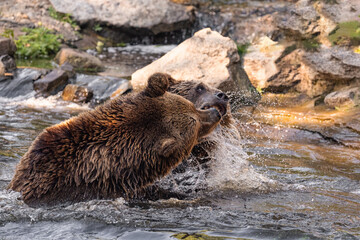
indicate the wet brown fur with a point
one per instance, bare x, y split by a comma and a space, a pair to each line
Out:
115, 150
208, 96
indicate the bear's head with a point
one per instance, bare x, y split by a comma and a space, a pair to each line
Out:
202, 95
208, 116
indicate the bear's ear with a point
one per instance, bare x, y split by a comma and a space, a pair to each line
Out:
158, 83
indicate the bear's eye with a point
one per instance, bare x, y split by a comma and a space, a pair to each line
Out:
200, 88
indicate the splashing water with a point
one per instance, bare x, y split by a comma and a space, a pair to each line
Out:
225, 168
231, 170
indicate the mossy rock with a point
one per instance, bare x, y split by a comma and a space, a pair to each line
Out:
346, 33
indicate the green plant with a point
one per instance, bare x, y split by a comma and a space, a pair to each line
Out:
310, 45
242, 49
8, 33
37, 43
97, 28
63, 17
121, 44
260, 90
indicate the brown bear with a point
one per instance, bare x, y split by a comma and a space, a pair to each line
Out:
181, 182
115, 150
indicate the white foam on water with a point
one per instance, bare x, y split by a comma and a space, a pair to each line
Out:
52, 103
357, 191
144, 49
12, 101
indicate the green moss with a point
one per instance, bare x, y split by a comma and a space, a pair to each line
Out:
346, 33
242, 49
35, 63
37, 43
310, 44
8, 33
7, 154
63, 17
121, 44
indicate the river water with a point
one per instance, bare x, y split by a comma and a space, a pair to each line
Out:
278, 181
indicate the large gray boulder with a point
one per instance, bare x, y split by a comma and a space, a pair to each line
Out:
312, 73
154, 15
260, 61
308, 19
300, 21
207, 57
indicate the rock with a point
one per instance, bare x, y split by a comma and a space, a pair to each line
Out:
82, 61
7, 46
336, 63
343, 98
69, 69
341, 11
300, 21
249, 28
312, 73
289, 73
259, 62
125, 87
2, 70
7, 63
103, 87
207, 57
77, 94
7, 67
52, 83
20, 84
17, 14
155, 16
308, 19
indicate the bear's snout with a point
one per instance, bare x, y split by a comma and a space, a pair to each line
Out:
209, 119
215, 114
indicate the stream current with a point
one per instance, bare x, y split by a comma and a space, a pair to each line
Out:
259, 187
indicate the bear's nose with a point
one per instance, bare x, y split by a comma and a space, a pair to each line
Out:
222, 96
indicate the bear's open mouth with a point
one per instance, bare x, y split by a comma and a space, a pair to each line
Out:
221, 109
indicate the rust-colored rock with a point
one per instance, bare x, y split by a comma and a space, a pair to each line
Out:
77, 94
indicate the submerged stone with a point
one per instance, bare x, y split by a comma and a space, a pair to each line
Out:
77, 94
